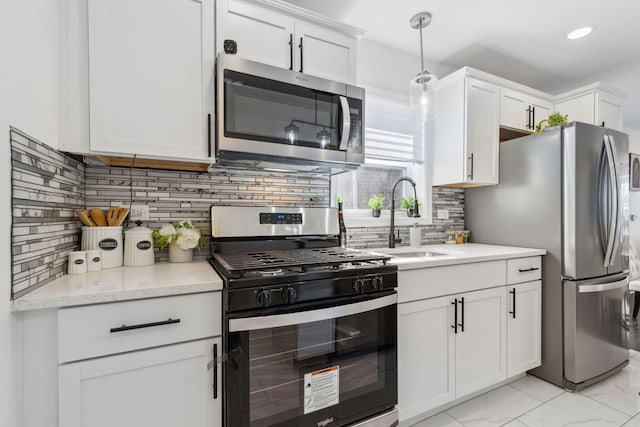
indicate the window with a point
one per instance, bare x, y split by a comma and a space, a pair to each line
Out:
394, 147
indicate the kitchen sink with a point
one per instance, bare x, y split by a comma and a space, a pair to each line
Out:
417, 254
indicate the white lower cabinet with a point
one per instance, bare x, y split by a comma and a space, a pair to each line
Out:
480, 340
161, 387
523, 326
452, 346
439, 363
426, 355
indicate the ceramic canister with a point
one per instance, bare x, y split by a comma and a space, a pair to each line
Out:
138, 247
77, 262
108, 240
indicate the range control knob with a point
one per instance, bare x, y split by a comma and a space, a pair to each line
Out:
289, 295
264, 297
378, 282
358, 284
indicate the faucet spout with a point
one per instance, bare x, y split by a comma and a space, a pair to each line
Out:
392, 238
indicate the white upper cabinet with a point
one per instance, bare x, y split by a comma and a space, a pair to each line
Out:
595, 104
466, 132
151, 70
521, 111
276, 37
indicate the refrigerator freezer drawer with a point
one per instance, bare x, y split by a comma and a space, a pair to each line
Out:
595, 332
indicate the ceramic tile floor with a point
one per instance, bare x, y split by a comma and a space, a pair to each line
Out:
530, 401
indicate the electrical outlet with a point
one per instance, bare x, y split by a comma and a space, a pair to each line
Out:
443, 214
139, 212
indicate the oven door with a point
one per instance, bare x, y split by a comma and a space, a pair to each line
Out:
317, 366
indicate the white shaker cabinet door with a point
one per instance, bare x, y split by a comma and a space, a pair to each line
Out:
324, 53
482, 132
425, 355
262, 35
162, 387
609, 111
514, 109
480, 340
540, 110
151, 70
523, 327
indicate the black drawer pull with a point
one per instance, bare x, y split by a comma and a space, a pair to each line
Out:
169, 321
524, 270
513, 294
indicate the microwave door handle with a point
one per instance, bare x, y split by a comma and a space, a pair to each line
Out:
345, 125
613, 195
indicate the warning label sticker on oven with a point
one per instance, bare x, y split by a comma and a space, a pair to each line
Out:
321, 389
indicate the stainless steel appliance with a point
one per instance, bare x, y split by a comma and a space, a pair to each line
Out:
310, 328
566, 191
273, 118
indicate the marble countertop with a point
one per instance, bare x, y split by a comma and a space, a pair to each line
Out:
444, 254
122, 283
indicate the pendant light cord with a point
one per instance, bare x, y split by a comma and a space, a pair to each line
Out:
421, 47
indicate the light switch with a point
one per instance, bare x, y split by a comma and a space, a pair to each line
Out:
443, 214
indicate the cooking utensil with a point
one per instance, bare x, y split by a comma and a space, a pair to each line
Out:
84, 217
122, 215
98, 216
112, 216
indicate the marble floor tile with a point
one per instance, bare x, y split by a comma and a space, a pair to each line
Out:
633, 422
514, 423
571, 409
619, 391
536, 388
496, 407
439, 420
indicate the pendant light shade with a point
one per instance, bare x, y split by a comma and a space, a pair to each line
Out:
424, 81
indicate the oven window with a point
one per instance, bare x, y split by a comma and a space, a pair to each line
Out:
342, 368
266, 110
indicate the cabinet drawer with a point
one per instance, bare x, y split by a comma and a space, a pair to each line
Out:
99, 330
524, 269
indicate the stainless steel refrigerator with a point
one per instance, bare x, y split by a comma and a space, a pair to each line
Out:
566, 191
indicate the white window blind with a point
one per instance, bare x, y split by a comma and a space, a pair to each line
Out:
393, 132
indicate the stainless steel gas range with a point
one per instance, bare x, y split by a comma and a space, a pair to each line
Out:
310, 328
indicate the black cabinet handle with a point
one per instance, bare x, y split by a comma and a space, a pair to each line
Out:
209, 134
533, 117
524, 270
455, 315
291, 51
528, 110
602, 124
215, 371
513, 296
144, 325
470, 174
461, 324
301, 55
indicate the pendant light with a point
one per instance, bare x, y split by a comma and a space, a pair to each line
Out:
422, 82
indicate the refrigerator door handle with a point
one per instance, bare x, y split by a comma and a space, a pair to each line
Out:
602, 287
613, 188
618, 209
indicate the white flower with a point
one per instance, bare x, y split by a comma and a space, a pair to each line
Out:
187, 238
169, 231
186, 224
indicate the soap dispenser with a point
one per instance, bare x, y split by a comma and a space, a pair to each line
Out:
414, 236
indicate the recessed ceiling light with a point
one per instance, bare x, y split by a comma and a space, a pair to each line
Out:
579, 33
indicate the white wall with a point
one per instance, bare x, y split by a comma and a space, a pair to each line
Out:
634, 198
28, 101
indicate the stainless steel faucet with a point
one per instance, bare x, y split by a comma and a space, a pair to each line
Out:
392, 238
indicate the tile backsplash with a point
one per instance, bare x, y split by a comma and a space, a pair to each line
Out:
48, 185
175, 195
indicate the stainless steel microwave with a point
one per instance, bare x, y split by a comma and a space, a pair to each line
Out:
274, 115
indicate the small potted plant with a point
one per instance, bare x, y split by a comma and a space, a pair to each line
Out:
375, 203
408, 204
181, 237
554, 119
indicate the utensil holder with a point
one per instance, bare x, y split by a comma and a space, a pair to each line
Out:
108, 240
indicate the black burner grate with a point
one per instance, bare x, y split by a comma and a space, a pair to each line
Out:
239, 263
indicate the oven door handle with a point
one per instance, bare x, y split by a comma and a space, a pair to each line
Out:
299, 317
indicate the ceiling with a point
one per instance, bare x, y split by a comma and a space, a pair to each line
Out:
521, 41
